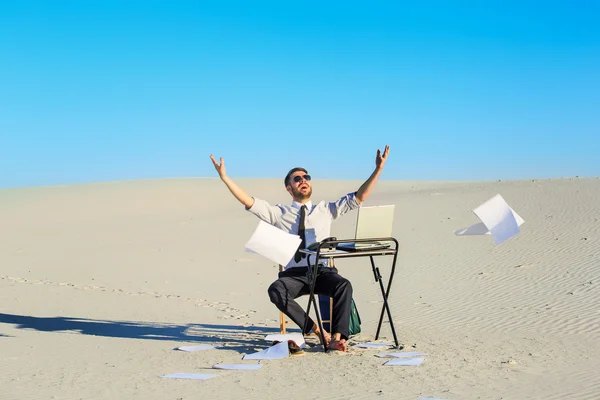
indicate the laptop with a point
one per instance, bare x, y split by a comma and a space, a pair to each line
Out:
371, 222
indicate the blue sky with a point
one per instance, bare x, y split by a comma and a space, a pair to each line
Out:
464, 90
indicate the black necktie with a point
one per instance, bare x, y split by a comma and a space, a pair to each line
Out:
299, 255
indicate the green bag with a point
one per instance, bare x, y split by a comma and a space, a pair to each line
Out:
354, 316
354, 319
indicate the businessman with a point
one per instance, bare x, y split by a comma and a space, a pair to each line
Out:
312, 222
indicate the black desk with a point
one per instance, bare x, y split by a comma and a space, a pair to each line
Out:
323, 252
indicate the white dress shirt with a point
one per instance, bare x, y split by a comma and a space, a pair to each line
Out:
317, 222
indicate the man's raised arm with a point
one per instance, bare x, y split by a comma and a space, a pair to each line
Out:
365, 190
237, 191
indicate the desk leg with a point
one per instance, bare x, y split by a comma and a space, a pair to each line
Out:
312, 278
386, 306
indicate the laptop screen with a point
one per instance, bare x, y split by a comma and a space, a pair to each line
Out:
374, 222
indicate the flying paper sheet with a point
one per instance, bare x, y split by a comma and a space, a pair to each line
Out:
184, 375
273, 243
498, 220
295, 337
402, 354
244, 367
190, 349
373, 345
405, 361
276, 352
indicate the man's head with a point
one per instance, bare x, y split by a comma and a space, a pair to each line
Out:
297, 183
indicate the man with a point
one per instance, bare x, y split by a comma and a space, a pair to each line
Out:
312, 223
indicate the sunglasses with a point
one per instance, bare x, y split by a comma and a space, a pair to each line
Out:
299, 178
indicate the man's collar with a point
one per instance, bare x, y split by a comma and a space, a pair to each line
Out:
297, 205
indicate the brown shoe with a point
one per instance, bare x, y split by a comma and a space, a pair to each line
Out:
294, 349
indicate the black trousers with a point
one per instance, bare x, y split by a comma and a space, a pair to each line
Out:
293, 283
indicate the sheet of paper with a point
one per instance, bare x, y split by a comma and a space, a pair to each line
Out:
273, 243
373, 345
405, 361
190, 349
276, 352
402, 354
243, 367
295, 337
185, 375
498, 219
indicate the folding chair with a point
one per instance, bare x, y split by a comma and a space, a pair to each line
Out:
283, 318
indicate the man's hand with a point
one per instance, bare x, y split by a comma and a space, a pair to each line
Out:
237, 191
220, 167
365, 189
381, 158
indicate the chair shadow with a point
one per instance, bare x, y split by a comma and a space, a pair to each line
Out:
243, 339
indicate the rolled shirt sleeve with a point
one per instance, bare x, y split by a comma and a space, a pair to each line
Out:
266, 212
343, 205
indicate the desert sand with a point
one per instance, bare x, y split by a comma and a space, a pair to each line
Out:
100, 282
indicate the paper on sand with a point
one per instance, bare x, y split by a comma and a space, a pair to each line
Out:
402, 354
185, 375
295, 337
243, 367
276, 352
405, 361
273, 243
497, 219
373, 345
190, 349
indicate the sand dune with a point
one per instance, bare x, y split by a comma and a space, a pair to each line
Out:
99, 282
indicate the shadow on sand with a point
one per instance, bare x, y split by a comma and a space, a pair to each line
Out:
240, 338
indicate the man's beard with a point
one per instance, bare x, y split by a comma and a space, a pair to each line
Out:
302, 196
